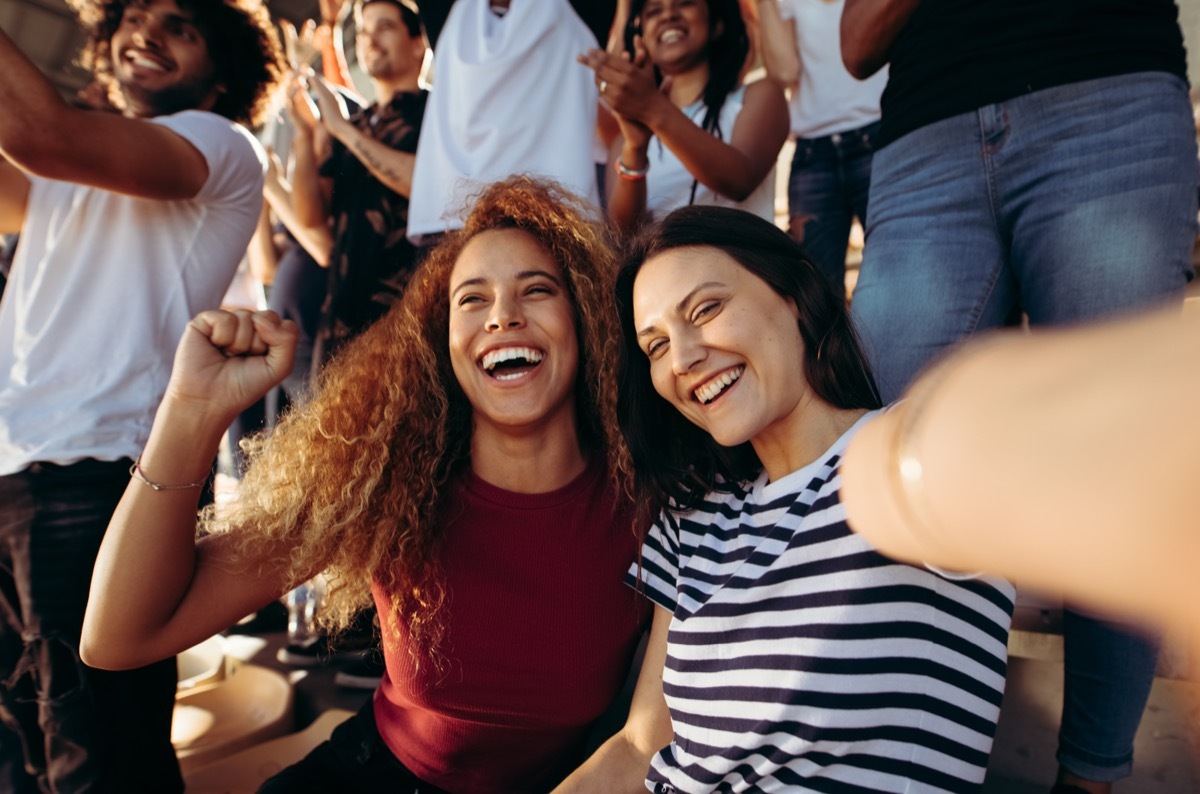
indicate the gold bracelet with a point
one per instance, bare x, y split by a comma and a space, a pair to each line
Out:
135, 471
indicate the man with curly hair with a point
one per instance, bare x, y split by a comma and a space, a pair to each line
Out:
130, 223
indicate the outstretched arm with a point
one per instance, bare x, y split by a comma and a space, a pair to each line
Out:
42, 134
621, 763
1064, 460
156, 590
868, 29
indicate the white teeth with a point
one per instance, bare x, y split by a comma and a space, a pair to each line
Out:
671, 36
710, 390
494, 357
146, 63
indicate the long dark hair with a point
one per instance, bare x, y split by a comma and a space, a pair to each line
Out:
728, 49
675, 462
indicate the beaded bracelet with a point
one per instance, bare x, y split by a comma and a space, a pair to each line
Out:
631, 174
135, 471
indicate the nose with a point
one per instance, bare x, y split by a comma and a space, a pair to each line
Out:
506, 313
148, 33
686, 352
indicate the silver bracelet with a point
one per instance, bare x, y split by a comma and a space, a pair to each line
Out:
135, 471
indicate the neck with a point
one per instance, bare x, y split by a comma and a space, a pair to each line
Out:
536, 461
385, 90
801, 438
688, 86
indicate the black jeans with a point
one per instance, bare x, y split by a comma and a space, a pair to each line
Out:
82, 729
354, 759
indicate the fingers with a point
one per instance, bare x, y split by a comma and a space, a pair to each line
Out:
243, 332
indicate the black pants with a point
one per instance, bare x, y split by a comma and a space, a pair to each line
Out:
82, 729
354, 758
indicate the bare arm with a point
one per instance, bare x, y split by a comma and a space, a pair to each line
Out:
1065, 460
778, 37
732, 168
393, 168
868, 29
621, 763
42, 134
316, 240
260, 253
14, 196
155, 590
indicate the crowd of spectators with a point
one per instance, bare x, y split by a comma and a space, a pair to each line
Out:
1011, 163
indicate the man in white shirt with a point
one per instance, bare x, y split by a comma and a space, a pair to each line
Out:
130, 223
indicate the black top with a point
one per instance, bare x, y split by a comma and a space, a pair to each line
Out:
372, 258
596, 14
955, 56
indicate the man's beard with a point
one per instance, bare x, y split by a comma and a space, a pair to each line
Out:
147, 103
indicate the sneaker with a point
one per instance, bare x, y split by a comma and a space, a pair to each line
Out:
321, 651
367, 673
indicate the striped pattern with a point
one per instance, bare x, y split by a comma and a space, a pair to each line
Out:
800, 659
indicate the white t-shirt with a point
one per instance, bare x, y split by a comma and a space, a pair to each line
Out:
829, 98
508, 98
669, 182
101, 289
801, 659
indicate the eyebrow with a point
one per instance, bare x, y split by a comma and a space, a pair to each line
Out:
524, 275
679, 307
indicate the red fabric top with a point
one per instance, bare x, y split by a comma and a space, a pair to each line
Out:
540, 631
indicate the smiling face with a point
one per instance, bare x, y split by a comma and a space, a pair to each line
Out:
513, 344
724, 348
676, 33
161, 60
385, 48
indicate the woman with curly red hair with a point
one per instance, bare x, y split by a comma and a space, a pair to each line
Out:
460, 465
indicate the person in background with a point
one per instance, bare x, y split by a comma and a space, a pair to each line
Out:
691, 132
835, 119
131, 222
459, 466
513, 101
1031, 159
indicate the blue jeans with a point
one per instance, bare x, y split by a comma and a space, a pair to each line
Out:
82, 729
827, 189
1072, 203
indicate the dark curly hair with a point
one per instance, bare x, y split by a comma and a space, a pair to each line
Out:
240, 37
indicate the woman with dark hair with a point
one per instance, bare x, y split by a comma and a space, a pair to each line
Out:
691, 132
459, 466
786, 652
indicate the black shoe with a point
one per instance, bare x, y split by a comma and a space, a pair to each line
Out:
321, 651
366, 673
271, 618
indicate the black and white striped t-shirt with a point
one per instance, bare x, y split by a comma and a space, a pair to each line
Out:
800, 659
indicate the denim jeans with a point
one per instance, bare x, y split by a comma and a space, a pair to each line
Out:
82, 729
827, 190
1072, 203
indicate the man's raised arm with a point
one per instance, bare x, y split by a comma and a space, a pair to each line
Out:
42, 134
